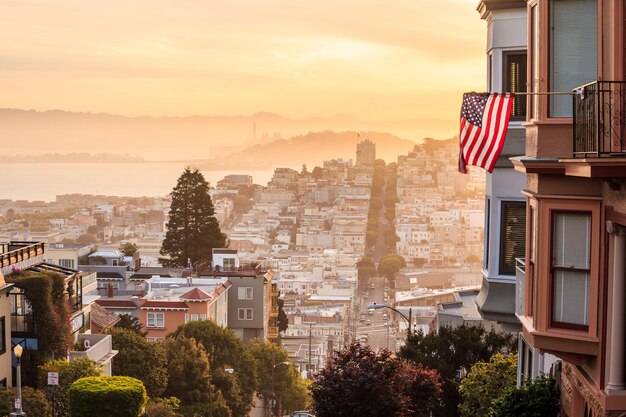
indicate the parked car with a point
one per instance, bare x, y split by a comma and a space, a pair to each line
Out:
368, 323
301, 414
362, 319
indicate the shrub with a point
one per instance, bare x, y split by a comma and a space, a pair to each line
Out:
34, 402
536, 398
102, 396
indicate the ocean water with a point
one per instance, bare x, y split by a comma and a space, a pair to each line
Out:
43, 181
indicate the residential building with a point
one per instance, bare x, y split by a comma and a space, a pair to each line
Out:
572, 284
171, 302
252, 298
505, 208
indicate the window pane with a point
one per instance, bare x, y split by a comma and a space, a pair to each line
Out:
515, 65
248, 314
573, 50
249, 293
241, 293
241, 314
571, 246
512, 235
571, 297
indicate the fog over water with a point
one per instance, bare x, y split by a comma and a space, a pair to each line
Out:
37, 181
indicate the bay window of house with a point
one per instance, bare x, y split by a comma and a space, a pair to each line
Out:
573, 50
512, 235
156, 320
514, 77
570, 269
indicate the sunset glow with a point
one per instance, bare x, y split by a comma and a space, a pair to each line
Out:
376, 60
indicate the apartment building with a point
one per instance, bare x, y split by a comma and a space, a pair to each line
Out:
252, 298
572, 281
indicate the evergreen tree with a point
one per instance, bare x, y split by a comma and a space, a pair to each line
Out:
192, 229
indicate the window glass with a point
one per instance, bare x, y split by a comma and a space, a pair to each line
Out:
573, 50
515, 78
571, 260
512, 236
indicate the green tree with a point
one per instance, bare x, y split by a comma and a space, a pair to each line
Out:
34, 402
485, 382
225, 350
539, 397
192, 229
452, 351
141, 359
317, 173
128, 249
277, 380
358, 382
163, 407
86, 239
69, 372
366, 268
283, 320
130, 322
390, 264
188, 371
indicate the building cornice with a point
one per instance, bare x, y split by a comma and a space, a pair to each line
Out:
486, 7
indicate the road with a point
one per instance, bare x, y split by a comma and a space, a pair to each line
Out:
380, 334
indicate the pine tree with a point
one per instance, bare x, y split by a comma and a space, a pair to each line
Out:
192, 229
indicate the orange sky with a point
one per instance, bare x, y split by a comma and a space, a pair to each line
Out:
375, 59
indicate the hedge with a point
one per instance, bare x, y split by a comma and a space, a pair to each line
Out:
105, 396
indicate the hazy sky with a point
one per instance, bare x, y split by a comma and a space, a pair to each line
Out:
375, 59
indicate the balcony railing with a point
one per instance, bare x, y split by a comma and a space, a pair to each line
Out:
600, 119
20, 255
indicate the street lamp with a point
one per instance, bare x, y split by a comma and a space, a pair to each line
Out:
273, 405
375, 306
17, 350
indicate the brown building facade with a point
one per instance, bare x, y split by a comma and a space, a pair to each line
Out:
573, 285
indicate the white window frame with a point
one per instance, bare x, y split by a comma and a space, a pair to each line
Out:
152, 320
245, 314
245, 293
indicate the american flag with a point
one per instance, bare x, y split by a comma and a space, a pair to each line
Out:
484, 122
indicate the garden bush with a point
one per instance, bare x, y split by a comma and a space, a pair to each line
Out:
105, 396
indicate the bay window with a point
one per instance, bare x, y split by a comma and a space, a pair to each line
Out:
570, 269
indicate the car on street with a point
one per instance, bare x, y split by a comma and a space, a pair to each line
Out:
368, 323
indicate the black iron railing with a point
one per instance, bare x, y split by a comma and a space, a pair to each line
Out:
600, 119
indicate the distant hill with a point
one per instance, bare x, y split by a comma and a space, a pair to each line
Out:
313, 148
168, 138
